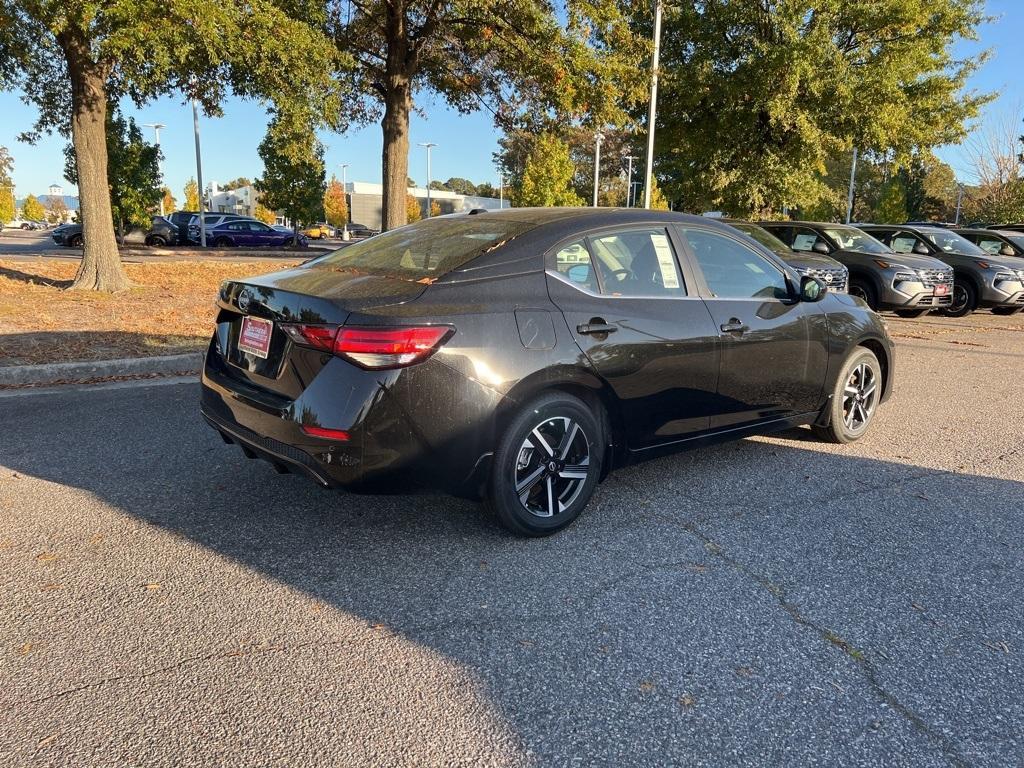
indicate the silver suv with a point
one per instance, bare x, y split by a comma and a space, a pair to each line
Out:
910, 283
211, 220
980, 279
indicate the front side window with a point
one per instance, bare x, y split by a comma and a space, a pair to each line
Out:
903, 242
804, 239
637, 262
733, 271
990, 244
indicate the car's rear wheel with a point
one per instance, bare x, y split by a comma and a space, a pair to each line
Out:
547, 465
965, 299
1006, 310
854, 400
912, 313
75, 241
864, 290
221, 242
156, 241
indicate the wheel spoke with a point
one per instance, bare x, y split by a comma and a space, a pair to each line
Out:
524, 486
540, 442
848, 416
850, 390
551, 498
575, 471
567, 440
870, 390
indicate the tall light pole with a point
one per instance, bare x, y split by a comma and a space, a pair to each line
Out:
160, 163
501, 190
849, 195
652, 108
428, 145
344, 192
629, 184
959, 200
199, 174
598, 138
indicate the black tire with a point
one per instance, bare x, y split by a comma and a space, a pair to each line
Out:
965, 298
912, 313
855, 399
864, 290
75, 241
535, 497
1006, 310
156, 241
222, 242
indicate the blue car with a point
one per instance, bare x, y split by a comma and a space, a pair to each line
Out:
247, 233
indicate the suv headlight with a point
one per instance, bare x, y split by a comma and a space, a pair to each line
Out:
907, 277
1003, 277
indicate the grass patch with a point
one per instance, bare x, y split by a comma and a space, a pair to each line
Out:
169, 310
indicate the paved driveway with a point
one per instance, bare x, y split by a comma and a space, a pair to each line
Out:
770, 602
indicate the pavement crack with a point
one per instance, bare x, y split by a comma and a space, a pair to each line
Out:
867, 670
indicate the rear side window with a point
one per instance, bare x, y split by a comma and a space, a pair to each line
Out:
426, 250
987, 244
637, 262
573, 263
733, 271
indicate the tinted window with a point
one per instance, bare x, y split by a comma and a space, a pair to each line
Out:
637, 263
903, 242
573, 263
804, 239
764, 237
781, 231
988, 244
425, 250
733, 271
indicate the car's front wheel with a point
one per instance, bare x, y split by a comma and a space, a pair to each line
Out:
864, 290
547, 465
965, 299
75, 241
854, 400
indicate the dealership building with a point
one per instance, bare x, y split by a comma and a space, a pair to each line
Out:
365, 202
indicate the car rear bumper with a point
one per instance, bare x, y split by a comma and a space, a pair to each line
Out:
425, 426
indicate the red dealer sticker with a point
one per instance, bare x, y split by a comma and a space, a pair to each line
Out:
254, 337
941, 289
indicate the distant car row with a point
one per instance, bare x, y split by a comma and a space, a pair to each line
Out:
909, 269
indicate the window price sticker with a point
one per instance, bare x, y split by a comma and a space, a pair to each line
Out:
666, 260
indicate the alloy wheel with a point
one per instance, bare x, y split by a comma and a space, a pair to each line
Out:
959, 298
551, 466
860, 396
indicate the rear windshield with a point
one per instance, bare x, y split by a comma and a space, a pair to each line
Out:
765, 238
425, 250
850, 239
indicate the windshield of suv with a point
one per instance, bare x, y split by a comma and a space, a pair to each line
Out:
765, 238
951, 242
426, 250
851, 239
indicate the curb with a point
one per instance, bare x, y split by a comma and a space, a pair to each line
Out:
60, 373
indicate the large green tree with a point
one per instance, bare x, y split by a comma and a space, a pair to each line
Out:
133, 172
756, 96
73, 57
335, 203
191, 194
521, 59
293, 175
547, 175
32, 209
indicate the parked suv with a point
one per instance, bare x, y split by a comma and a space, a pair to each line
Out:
998, 242
162, 232
522, 354
910, 284
825, 268
980, 279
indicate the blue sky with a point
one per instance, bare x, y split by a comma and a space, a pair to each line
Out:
465, 142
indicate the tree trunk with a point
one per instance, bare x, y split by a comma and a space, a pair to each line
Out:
101, 263
395, 125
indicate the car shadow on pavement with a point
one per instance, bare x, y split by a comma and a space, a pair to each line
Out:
755, 602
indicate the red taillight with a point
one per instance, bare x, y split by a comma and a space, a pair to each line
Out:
373, 348
329, 434
390, 347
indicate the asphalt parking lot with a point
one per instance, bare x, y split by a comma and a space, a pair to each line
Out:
775, 601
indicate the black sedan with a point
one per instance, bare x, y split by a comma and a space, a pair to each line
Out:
520, 355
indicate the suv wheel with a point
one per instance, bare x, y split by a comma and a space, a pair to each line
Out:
855, 398
221, 242
864, 290
546, 466
156, 241
75, 241
965, 299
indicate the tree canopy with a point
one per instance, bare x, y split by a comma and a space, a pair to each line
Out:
335, 203
32, 209
756, 97
6, 186
547, 175
191, 194
293, 175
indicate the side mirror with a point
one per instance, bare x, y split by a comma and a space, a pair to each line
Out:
921, 249
820, 246
812, 289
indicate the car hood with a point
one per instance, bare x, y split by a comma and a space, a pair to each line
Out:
912, 260
804, 260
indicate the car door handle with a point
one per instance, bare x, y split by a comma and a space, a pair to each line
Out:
734, 326
589, 328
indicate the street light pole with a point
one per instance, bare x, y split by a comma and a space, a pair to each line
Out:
160, 163
849, 196
652, 108
629, 184
598, 137
428, 145
199, 175
959, 200
344, 192
501, 190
